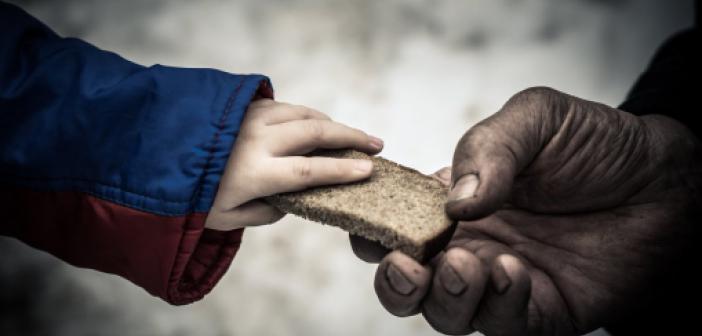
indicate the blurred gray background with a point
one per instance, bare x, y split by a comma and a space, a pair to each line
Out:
416, 73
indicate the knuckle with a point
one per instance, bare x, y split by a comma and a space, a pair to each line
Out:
306, 113
479, 136
261, 102
312, 113
284, 105
482, 129
539, 107
536, 93
536, 100
300, 110
279, 107
302, 170
257, 109
322, 115
315, 129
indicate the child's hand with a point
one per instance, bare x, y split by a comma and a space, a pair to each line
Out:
268, 159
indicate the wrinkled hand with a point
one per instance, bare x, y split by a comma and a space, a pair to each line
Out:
268, 159
573, 214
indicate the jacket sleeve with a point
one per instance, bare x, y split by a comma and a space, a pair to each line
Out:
113, 166
668, 85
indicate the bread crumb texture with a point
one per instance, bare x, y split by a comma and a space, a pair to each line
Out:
397, 206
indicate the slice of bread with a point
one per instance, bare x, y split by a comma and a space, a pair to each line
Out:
398, 207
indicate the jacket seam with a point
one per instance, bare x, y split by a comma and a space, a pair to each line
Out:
215, 141
93, 182
117, 201
174, 293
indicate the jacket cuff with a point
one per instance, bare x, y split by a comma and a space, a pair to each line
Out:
202, 258
204, 255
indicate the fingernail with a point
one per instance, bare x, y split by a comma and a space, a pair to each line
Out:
500, 279
451, 281
376, 143
398, 281
464, 188
364, 166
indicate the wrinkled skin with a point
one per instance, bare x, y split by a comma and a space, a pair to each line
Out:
572, 213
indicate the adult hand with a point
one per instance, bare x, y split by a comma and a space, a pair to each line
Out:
573, 214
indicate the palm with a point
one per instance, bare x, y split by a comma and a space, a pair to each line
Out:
582, 266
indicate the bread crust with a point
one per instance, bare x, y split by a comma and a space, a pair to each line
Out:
397, 206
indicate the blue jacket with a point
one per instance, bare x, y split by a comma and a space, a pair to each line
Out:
112, 165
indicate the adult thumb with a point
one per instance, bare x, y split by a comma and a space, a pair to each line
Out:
492, 153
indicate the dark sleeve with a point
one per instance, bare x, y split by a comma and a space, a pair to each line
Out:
111, 165
671, 84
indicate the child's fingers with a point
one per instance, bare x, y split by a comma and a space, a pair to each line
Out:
281, 112
300, 172
303, 136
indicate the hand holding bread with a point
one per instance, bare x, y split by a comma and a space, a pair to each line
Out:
269, 158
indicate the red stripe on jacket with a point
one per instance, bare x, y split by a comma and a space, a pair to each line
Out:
174, 258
